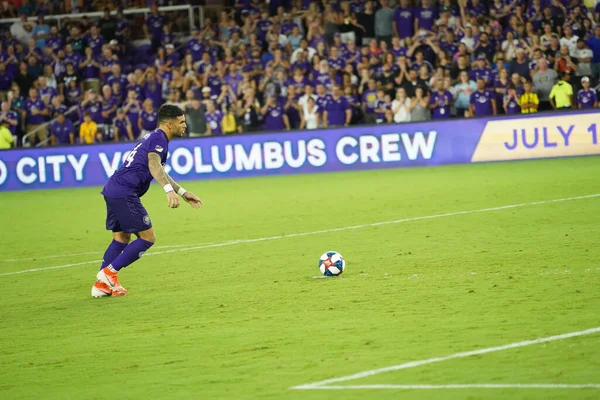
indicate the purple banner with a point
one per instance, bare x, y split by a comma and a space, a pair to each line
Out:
354, 148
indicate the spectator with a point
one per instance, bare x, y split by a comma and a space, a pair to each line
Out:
36, 112
586, 97
22, 29
482, 102
564, 62
40, 32
6, 138
440, 101
594, 45
88, 130
520, 65
62, 130
569, 39
561, 95
12, 117
148, 117
366, 20
23, 78
419, 106
337, 112
384, 17
214, 119
122, 128
195, 115
529, 101
462, 93
403, 20
401, 106
311, 115
543, 81
511, 101
275, 118
583, 56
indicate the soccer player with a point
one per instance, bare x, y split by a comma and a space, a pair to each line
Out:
122, 193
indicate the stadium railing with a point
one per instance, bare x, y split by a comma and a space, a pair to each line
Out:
130, 11
28, 135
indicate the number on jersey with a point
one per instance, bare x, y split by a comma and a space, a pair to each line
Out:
131, 155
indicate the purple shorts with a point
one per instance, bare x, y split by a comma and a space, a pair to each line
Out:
126, 215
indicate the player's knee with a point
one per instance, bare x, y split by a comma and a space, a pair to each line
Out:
148, 236
122, 237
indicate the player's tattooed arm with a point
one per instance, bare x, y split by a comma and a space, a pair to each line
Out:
157, 170
176, 187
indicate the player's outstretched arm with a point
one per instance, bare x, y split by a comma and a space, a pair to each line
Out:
189, 197
159, 174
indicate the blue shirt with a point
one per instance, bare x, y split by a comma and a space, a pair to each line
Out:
133, 177
594, 45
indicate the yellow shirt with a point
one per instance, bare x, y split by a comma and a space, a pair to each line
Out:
87, 132
529, 98
6, 138
561, 93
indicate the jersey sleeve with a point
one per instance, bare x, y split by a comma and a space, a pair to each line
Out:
157, 144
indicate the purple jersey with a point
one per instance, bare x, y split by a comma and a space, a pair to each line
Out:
55, 43
442, 101
12, 115
337, 63
381, 105
336, 111
133, 178
369, 99
62, 131
482, 100
587, 98
34, 105
485, 73
95, 109
6, 81
323, 79
47, 91
322, 101
403, 17
215, 120
153, 91
274, 118
512, 107
95, 43
107, 105
139, 91
89, 71
426, 16
196, 49
121, 127
149, 120
155, 23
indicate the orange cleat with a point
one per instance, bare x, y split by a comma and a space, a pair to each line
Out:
109, 278
101, 289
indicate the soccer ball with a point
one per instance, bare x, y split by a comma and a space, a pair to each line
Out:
332, 264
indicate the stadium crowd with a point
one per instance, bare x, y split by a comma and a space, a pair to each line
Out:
294, 64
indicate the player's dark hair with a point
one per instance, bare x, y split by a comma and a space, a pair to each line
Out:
169, 111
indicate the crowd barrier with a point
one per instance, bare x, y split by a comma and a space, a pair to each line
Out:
343, 149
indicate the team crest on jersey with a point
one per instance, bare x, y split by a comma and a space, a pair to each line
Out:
147, 219
159, 148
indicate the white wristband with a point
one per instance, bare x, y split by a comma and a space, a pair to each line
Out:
168, 188
181, 191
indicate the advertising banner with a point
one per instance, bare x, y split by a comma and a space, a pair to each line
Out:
353, 148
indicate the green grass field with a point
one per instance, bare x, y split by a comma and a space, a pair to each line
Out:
248, 320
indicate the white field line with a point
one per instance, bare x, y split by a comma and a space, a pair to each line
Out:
345, 228
471, 386
413, 364
66, 255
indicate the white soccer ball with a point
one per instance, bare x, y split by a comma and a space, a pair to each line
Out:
332, 263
